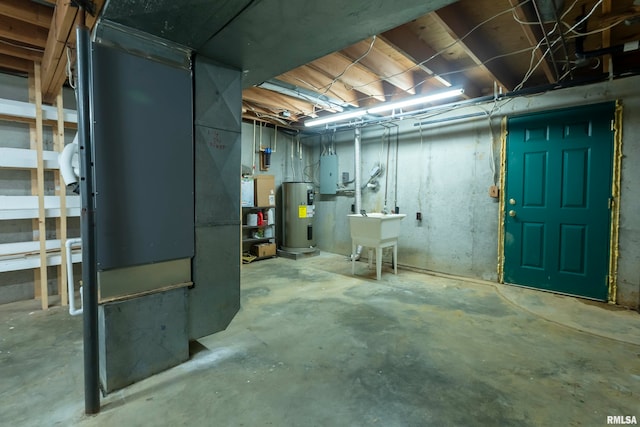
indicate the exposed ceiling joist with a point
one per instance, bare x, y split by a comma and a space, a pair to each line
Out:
22, 32
16, 64
27, 11
532, 39
312, 79
476, 47
381, 64
60, 36
354, 76
403, 40
21, 52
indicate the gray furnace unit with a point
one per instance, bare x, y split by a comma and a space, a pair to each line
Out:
299, 210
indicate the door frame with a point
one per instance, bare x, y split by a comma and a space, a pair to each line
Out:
612, 273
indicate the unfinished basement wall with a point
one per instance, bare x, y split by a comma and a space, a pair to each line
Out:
292, 159
18, 285
444, 172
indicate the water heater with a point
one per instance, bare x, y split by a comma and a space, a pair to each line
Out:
299, 210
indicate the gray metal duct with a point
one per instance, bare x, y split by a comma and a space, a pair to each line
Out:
265, 38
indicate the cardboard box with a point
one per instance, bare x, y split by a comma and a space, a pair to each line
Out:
264, 249
265, 190
246, 191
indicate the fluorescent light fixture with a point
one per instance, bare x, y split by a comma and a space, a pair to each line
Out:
336, 118
407, 102
415, 100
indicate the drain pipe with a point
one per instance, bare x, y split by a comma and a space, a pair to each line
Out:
89, 272
70, 285
357, 181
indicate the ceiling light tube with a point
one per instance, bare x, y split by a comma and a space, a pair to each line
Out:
422, 99
335, 118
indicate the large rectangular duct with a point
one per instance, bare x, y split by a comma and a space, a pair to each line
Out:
215, 297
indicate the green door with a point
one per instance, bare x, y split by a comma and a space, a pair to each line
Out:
558, 185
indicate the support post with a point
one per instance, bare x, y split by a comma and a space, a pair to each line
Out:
42, 231
61, 222
89, 272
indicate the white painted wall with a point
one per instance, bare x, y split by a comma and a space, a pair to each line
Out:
445, 172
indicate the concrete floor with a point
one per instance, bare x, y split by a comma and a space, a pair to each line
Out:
315, 346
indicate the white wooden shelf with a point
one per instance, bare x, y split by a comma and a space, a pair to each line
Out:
24, 158
26, 207
10, 109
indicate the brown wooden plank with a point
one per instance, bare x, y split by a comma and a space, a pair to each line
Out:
479, 49
42, 231
309, 78
13, 29
34, 180
55, 58
340, 68
15, 64
404, 41
382, 65
27, 11
61, 222
31, 54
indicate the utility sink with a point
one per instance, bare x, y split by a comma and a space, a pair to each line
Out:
375, 231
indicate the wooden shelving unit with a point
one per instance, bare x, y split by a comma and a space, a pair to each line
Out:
39, 253
250, 231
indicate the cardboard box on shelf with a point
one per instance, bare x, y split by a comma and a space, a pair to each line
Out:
265, 190
264, 249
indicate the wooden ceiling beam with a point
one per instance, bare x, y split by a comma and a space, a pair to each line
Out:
405, 42
20, 52
277, 101
532, 39
355, 76
479, 49
13, 29
606, 37
309, 78
27, 11
381, 64
15, 64
61, 34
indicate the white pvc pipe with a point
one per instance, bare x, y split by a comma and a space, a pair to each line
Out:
357, 181
70, 286
357, 177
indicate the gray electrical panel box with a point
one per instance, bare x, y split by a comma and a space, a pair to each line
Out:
328, 174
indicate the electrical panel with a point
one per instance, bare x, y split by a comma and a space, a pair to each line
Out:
328, 174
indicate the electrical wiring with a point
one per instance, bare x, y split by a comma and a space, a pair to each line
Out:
443, 50
373, 40
556, 31
592, 32
68, 70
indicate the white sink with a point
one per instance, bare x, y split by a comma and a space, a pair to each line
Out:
375, 231
375, 228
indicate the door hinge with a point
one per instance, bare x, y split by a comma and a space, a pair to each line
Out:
612, 124
610, 203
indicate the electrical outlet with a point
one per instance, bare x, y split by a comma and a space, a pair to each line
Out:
418, 216
494, 191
